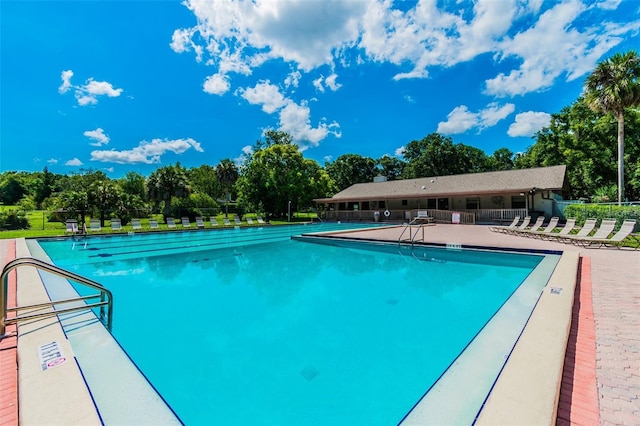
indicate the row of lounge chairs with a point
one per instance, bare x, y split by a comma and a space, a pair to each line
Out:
116, 224
589, 235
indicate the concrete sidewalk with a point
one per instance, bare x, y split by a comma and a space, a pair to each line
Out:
615, 275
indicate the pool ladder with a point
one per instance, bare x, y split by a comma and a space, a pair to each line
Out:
105, 304
413, 237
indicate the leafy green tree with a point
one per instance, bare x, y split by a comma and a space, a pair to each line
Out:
611, 88
12, 189
502, 159
168, 182
349, 169
227, 175
105, 196
390, 167
277, 174
204, 181
133, 184
437, 155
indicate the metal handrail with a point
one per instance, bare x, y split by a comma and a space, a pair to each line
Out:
412, 238
105, 295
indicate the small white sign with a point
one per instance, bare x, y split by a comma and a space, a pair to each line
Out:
51, 355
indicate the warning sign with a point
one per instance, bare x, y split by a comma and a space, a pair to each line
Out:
51, 355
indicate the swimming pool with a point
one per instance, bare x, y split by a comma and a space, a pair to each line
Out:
287, 332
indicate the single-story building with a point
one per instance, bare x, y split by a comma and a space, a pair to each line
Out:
474, 197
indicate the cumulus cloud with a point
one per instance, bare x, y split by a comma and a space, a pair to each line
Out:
98, 136
216, 84
521, 37
146, 152
399, 152
87, 94
460, 119
73, 162
528, 123
52, 161
294, 118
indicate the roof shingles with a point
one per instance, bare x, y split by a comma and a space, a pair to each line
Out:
548, 178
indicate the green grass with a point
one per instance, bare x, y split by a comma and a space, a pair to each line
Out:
41, 227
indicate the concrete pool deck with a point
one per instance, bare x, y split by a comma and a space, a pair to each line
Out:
616, 312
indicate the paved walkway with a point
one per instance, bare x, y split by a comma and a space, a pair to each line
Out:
615, 290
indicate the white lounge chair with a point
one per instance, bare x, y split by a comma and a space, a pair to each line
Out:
602, 232
199, 222
525, 223
260, 220
586, 229
71, 226
225, 221
617, 239
249, 221
537, 225
213, 220
116, 224
94, 225
136, 225
553, 222
153, 224
504, 229
237, 221
185, 222
171, 223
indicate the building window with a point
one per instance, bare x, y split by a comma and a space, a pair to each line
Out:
431, 203
518, 202
341, 206
365, 205
473, 203
404, 202
382, 204
352, 206
443, 204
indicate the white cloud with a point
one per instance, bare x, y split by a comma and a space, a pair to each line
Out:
327, 158
266, 94
537, 49
399, 152
98, 136
66, 81
216, 84
528, 123
321, 82
52, 161
460, 119
250, 33
295, 118
293, 79
73, 162
146, 152
87, 94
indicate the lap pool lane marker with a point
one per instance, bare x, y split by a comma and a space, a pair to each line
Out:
51, 355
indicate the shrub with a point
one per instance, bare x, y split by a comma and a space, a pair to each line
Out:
13, 220
583, 212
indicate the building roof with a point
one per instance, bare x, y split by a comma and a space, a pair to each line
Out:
520, 180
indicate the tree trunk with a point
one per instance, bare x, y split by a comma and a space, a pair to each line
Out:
620, 157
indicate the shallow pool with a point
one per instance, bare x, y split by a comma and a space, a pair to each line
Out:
248, 326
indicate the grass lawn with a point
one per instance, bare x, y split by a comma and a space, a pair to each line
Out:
41, 227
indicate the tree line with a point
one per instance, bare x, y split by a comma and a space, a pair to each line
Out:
276, 178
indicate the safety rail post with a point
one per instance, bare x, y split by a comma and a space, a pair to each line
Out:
106, 297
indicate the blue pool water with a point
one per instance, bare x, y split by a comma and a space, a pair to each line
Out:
251, 327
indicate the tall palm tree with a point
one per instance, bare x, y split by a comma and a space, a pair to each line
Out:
227, 175
611, 88
168, 182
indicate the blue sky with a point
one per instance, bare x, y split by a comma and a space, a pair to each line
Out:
134, 85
